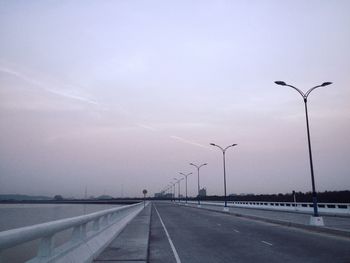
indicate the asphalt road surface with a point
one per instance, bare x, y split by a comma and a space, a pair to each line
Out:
185, 234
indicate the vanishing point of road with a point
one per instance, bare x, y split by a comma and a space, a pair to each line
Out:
187, 234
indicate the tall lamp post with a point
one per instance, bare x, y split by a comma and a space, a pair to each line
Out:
173, 184
179, 192
198, 167
169, 189
315, 219
186, 175
224, 162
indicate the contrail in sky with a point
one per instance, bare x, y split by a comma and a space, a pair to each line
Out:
63, 93
188, 141
73, 95
180, 139
147, 127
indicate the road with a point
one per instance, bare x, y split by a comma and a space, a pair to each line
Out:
185, 234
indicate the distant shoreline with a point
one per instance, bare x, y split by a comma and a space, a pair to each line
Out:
109, 201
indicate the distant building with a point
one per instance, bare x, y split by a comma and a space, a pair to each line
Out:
158, 195
163, 195
168, 195
203, 192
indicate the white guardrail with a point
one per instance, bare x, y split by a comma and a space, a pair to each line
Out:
326, 208
83, 245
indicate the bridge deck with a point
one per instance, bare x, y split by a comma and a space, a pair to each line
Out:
180, 233
338, 222
186, 234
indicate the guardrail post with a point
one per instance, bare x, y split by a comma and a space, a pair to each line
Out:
76, 234
104, 220
112, 217
96, 224
45, 247
117, 215
83, 231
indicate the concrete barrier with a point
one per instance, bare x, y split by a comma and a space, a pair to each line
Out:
83, 245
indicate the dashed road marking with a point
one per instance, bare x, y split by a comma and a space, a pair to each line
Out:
177, 258
266, 243
236, 230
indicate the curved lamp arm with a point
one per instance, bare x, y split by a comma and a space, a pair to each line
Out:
322, 85
222, 149
298, 90
197, 165
304, 95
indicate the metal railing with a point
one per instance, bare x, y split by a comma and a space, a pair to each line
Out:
336, 208
85, 244
326, 208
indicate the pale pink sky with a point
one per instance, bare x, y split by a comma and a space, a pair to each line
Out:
118, 96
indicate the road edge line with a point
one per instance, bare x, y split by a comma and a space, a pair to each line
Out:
177, 258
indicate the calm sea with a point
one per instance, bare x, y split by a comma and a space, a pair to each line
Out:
20, 215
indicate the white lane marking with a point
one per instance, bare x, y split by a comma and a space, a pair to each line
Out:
170, 242
219, 224
236, 230
267, 243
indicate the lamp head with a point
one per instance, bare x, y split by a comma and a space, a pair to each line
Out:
326, 84
282, 83
213, 144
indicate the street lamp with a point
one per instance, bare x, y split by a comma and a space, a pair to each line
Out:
169, 190
315, 219
223, 157
198, 167
186, 183
179, 192
173, 185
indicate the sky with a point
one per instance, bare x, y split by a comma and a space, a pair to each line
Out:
120, 96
